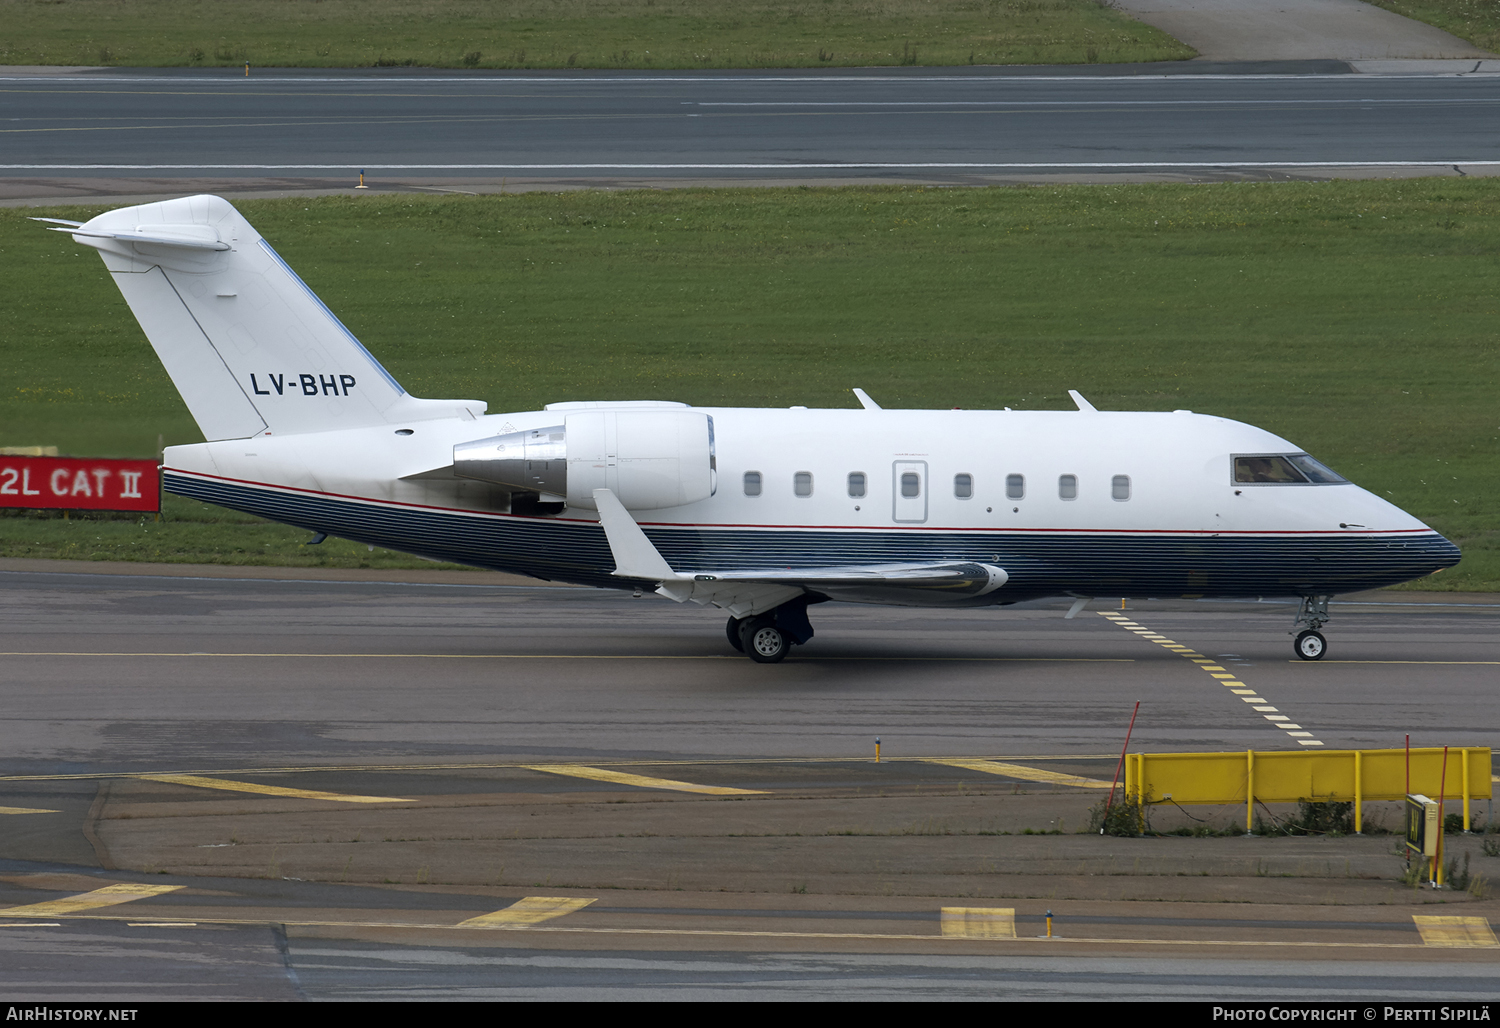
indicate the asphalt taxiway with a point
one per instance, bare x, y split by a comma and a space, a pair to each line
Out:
279, 785
125, 134
119, 672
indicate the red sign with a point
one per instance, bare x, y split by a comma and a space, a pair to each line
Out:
79, 483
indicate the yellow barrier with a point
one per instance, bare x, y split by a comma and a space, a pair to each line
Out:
1344, 776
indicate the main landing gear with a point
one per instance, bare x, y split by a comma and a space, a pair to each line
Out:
1310, 644
766, 638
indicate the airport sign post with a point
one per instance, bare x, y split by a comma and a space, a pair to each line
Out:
80, 483
1423, 827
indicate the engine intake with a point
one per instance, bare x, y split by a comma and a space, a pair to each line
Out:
650, 459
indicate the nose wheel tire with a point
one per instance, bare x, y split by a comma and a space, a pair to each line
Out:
762, 641
732, 630
1310, 646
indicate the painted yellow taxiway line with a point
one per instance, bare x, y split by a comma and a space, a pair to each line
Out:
1028, 774
26, 810
1456, 932
502, 765
1221, 675
905, 937
600, 774
576, 656
108, 896
200, 782
528, 910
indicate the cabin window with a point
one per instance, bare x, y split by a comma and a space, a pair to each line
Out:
802, 483
752, 483
856, 484
1067, 487
911, 484
963, 486
1119, 487
1015, 487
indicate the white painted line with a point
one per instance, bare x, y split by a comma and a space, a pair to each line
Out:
237, 82
1002, 102
788, 166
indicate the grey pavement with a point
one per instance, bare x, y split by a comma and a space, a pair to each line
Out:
140, 673
1255, 30
152, 133
439, 686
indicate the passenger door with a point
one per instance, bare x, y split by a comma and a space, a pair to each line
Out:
909, 481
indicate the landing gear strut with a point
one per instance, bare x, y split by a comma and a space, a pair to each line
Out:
1310, 644
766, 638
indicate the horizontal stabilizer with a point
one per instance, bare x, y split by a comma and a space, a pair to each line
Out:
163, 236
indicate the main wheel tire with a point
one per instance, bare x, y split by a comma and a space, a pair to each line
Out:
1310, 645
732, 630
764, 643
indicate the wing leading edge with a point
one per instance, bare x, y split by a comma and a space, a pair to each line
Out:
744, 592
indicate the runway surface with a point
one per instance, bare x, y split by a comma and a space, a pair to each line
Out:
299, 789
121, 673
311, 129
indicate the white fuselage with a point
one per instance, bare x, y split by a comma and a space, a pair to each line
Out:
1179, 525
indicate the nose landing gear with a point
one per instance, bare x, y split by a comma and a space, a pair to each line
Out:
1310, 644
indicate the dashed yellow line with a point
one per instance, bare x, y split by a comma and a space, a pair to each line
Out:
904, 937
600, 774
502, 765
200, 782
527, 911
109, 896
1223, 676
1456, 932
1029, 774
973, 919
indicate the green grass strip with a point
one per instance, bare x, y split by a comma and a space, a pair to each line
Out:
1357, 319
640, 34
1478, 21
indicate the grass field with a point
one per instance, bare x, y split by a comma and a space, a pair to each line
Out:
1478, 21
1356, 318
574, 33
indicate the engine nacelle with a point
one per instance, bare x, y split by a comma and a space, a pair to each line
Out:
650, 459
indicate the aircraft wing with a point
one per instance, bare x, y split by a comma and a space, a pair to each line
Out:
747, 591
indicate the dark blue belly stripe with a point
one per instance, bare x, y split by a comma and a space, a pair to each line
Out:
1038, 563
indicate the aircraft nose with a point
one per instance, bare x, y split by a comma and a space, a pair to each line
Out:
1424, 554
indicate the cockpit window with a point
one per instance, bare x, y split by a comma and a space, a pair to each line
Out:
1266, 470
1282, 469
1316, 471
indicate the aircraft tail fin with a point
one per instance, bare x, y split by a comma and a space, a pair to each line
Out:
248, 345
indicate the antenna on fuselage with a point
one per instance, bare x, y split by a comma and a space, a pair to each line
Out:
865, 401
1083, 404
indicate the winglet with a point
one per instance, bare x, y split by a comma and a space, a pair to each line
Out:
865, 401
634, 555
1083, 404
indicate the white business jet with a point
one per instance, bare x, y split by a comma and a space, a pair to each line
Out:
758, 512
